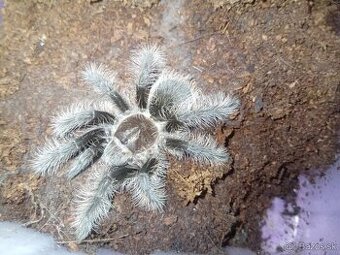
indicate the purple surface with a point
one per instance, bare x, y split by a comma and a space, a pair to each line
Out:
312, 229
2, 5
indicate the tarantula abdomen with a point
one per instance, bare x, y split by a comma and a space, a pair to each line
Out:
137, 132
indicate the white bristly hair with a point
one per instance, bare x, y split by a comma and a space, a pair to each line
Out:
70, 119
83, 161
201, 148
147, 64
53, 156
207, 111
101, 78
94, 201
161, 167
148, 193
169, 92
104, 82
115, 154
126, 143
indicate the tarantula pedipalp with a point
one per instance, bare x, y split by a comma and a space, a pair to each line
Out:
130, 144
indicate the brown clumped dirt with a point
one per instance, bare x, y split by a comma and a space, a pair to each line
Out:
280, 57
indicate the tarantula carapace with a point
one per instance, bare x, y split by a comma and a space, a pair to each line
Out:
130, 141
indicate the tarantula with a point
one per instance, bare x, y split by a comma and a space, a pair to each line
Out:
130, 141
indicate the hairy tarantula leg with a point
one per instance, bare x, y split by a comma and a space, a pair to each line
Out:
149, 166
155, 166
114, 154
147, 187
147, 64
122, 172
95, 136
201, 148
94, 201
173, 125
147, 192
86, 159
103, 81
168, 93
209, 111
55, 154
119, 101
76, 117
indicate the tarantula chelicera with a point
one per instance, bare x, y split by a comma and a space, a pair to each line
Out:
130, 141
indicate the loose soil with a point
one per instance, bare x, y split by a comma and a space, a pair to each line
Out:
281, 58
